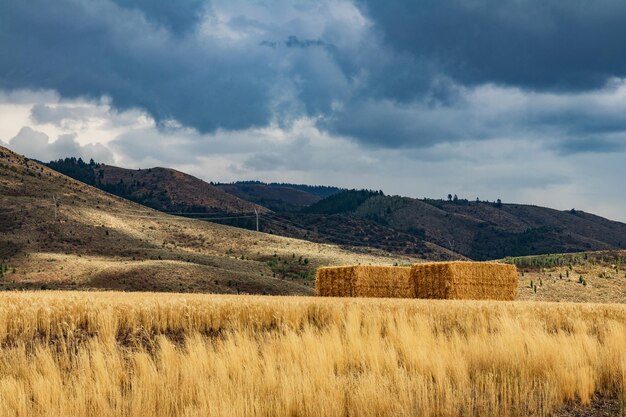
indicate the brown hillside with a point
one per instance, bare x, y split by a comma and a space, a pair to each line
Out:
274, 197
172, 190
98, 240
482, 230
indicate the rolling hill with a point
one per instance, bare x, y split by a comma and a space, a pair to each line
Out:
484, 230
287, 212
164, 189
57, 232
425, 228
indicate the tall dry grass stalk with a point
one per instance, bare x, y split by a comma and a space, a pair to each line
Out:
114, 354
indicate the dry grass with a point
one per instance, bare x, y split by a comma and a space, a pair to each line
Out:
115, 354
603, 284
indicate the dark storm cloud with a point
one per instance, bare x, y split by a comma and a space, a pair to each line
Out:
414, 75
98, 48
573, 44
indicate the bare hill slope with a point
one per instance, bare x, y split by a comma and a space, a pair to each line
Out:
98, 240
163, 189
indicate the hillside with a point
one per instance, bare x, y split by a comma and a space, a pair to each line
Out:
431, 229
96, 240
273, 197
163, 189
437, 229
483, 230
591, 277
291, 210
279, 196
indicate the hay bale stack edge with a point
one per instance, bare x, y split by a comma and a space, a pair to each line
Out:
365, 281
434, 280
465, 280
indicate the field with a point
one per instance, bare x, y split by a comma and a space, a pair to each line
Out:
147, 354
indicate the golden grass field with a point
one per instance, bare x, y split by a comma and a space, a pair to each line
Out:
148, 354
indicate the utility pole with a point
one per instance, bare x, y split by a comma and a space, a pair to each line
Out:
56, 202
257, 219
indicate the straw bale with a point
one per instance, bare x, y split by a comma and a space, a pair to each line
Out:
334, 281
465, 280
364, 281
442, 280
383, 281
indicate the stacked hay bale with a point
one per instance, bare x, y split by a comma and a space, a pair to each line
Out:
335, 281
465, 280
365, 281
442, 280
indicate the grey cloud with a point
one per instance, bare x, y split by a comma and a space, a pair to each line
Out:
97, 48
590, 145
539, 44
264, 162
407, 81
488, 112
34, 144
295, 42
147, 144
42, 113
180, 16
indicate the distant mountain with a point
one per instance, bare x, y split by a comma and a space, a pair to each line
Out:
321, 191
279, 196
426, 228
483, 230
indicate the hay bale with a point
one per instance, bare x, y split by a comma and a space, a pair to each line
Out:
465, 280
334, 281
442, 280
365, 281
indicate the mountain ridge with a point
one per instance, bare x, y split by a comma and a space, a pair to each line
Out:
427, 228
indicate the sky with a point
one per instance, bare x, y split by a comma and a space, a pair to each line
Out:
522, 100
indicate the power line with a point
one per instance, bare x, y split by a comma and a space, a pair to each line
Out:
156, 216
205, 212
269, 217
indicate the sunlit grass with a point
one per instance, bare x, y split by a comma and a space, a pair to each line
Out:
116, 354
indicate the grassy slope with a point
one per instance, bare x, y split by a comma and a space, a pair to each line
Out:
102, 241
598, 277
